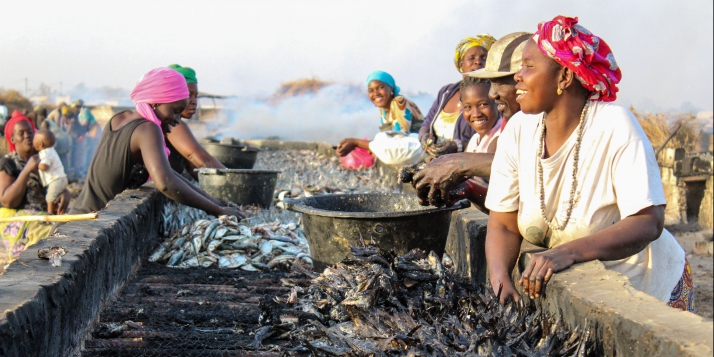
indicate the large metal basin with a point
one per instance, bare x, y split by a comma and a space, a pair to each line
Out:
244, 187
232, 156
395, 221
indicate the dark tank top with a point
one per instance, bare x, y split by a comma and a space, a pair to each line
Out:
112, 170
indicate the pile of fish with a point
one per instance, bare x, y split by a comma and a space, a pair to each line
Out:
225, 243
380, 304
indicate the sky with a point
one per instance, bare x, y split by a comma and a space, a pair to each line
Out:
664, 49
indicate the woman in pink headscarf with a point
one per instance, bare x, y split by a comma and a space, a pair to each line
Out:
132, 148
576, 174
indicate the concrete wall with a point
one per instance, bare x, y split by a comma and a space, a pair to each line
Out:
47, 310
627, 322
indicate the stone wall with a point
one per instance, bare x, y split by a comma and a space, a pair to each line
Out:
47, 310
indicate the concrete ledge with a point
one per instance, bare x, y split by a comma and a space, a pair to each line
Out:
629, 322
466, 244
46, 310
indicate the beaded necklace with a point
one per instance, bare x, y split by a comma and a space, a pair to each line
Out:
569, 211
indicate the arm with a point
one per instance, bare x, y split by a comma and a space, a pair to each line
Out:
621, 240
503, 244
183, 140
13, 188
347, 145
147, 139
425, 130
434, 182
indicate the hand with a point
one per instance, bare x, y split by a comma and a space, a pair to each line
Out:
346, 146
508, 290
447, 147
63, 202
541, 268
434, 182
426, 141
32, 163
232, 211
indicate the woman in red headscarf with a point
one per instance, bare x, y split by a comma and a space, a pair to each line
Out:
132, 148
21, 191
577, 175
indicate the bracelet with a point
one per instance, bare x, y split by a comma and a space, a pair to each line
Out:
459, 145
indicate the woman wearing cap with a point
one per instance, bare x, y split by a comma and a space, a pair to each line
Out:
445, 130
397, 113
132, 148
186, 152
21, 191
577, 175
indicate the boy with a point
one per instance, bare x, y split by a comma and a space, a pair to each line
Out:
51, 169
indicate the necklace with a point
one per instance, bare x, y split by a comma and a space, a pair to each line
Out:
569, 211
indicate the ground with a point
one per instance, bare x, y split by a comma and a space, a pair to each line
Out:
702, 265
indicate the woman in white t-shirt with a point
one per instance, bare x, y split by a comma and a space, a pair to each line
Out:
578, 175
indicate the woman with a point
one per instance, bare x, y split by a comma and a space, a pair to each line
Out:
445, 130
21, 191
90, 139
397, 113
578, 175
132, 148
186, 152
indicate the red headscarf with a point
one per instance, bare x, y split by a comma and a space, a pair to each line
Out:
10, 126
588, 56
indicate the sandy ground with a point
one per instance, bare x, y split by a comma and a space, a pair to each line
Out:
702, 266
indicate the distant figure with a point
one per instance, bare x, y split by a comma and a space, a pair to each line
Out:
397, 113
51, 169
56, 115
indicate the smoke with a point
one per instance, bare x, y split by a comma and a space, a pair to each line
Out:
335, 112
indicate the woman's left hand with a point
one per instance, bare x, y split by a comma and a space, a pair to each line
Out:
541, 268
63, 202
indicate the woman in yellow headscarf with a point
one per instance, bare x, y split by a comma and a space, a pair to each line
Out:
444, 130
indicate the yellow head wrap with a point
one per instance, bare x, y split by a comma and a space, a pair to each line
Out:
484, 40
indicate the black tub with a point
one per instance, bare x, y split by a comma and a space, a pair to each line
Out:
244, 187
396, 221
232, 156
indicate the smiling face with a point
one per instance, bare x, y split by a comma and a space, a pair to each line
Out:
503, 92
478, 109
537, 81
170, 114
380, 94
192, 101
474, 58
22, 137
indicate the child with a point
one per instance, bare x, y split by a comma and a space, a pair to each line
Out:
51, 169
481, 113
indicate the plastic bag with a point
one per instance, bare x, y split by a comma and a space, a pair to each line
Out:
397, 148
357, 158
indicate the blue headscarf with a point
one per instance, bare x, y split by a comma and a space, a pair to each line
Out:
385, 78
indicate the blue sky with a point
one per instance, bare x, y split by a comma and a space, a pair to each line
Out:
665, 49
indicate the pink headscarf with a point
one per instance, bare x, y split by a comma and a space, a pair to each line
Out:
160, 85
587, 55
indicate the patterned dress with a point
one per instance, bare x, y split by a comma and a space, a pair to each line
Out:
15, 237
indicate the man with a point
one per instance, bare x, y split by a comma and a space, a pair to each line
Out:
441, 175
56, 114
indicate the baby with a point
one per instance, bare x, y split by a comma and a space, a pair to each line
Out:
51, 169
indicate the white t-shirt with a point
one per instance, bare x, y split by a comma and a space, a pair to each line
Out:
478, 144
617, 177
50, 158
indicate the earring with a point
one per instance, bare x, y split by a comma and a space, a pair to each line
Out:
559, 91
154, 106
